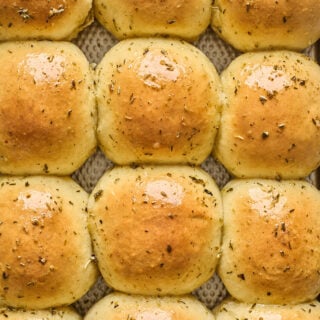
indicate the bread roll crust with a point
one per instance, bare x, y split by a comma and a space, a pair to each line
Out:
270, 251
232, 310
156, 230
270, 123
53, 314
45, 252
118, 306
159, 102
267, 24
47, 108
185, 19
42, 19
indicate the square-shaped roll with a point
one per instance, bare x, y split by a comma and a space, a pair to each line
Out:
267, 24
270, 121
158, 101
234, 310
43, 19
185, 19
45, 246
270, 251
156, 230
47, 108
27, 314
119, 306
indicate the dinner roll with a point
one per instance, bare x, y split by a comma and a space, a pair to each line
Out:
52, 314
267, 24
47, 108
43, 19
158, 102
156, 230
185, 19
45, 251
119, 306
232, 310
271, 251
270, 123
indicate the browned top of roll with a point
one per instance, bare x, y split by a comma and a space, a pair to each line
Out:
267, 24
156, 230
42, 19
270, 123
52, 314
271, 250
233, 310
47, 108
45, 245
159, 102
185, 19
118, 306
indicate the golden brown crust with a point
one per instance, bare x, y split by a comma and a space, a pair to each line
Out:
156, 230
52, 314
185, 19
158, 102
45, 245
42, 19
270, 123
233, 310
118, 306
267, 24
270, 251
47, 108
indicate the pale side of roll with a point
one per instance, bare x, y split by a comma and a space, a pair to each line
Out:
233, 310
47, 108
119, 306
267, 24
25, 314
158, 101
156, 230
43, 19
45, 252
271, 251
270, 123
185, 19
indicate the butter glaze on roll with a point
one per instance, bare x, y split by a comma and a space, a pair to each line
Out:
270, 251
118, 306
156, 230
47, 108
45, 247
43, 19
52, 314
158, 102
270, 123
267, 24
185, 19
233, 310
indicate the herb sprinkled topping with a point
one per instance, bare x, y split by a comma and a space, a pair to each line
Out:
98, 195
24, 14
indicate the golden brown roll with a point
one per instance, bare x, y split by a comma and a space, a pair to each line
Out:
45, 247
52, 314
47, 108
270, 123
118, 306
156, 230
267, 24
185, 19
158, 102
43, 19
270, 251
233, 310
